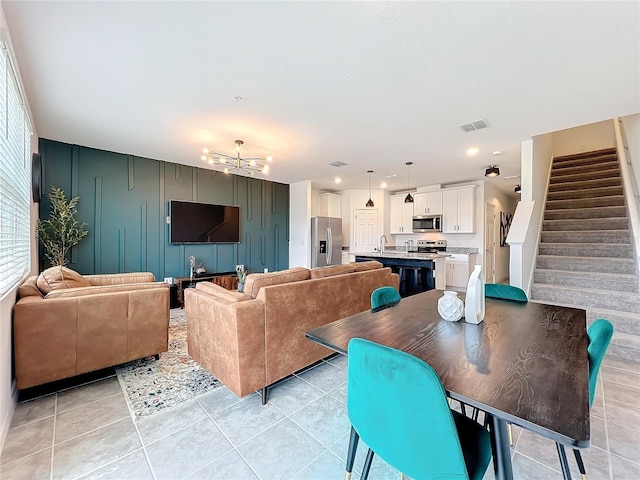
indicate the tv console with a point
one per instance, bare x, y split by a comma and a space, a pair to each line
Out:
228, 280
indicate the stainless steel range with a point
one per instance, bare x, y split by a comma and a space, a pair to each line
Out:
431, 246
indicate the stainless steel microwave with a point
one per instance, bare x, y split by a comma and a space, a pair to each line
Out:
427, 223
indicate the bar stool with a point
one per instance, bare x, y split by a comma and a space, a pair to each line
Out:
409, 277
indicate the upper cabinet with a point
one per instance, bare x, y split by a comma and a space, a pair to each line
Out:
330, 205
400, 214
428, 203
458, 210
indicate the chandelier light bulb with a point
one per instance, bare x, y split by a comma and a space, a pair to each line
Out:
222, 160
269, 158
203, 157
226, 170
205, 150
265, 169
252, 163
211, 162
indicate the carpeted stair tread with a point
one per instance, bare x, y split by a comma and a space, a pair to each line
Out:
586, 193
585, 224
614, 250
622, 237
586, 297
623, 322
624, 345
580, 183
557, 170
592, 212
594, 153
586, 264
587, 279
608, 201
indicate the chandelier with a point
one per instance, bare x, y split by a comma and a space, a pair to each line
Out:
229, 163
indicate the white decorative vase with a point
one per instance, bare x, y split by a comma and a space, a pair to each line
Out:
474, 300
450, 307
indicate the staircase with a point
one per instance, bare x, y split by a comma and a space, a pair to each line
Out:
586, 257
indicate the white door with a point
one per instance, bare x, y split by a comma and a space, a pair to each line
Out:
490, 244
366, 230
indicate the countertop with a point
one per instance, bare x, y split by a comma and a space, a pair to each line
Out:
463, 250
400, 254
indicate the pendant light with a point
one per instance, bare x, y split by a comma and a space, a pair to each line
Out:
408, 198
492, 171
370, 202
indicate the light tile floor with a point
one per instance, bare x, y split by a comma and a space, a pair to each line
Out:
302, 433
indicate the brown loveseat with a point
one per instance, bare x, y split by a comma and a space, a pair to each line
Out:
251, 340
65, 324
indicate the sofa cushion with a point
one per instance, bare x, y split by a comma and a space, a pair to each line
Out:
368, 265
221, 292
103, 289
255, 281
29, 288
56, 278
332, 270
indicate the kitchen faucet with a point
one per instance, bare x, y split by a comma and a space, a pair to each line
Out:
383, 240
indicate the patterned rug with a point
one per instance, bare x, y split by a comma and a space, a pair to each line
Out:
153, 386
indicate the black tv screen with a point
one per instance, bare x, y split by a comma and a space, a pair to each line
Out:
193, 222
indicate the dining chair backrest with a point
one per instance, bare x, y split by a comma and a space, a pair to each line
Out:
398, 406
505, 292
599, 333
383, 297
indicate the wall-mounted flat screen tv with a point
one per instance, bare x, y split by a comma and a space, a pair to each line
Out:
192, 222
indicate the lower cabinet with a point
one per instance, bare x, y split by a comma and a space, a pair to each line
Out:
458, 268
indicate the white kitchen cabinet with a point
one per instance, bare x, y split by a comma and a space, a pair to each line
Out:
458, 210
428, 203
400, 215
330, 205
458, 268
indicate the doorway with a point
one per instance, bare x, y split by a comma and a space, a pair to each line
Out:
490, 244
366, 230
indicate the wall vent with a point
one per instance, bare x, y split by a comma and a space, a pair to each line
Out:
473, 126
337, 163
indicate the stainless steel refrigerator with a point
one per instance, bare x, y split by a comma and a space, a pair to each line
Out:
326, 241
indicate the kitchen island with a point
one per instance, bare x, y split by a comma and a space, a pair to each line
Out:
433, 263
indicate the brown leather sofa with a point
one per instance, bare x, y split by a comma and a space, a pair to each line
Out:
253, 339
65, 324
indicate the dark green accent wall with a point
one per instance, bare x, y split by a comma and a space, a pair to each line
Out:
124, 199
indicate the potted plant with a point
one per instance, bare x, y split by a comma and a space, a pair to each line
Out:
61, 231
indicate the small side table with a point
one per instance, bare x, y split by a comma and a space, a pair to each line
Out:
228, 280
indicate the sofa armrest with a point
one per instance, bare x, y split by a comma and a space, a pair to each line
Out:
120, 278
227, 338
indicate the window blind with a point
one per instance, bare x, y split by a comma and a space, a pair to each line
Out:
15, 188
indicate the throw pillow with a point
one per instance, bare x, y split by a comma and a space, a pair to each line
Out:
56, 278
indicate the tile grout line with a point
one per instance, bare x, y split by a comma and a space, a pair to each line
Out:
144, 451
233, 446
53, 435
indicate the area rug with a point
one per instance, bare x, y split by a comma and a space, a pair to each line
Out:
153, 386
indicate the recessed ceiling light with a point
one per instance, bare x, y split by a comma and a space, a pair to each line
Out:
383, 185
497, 152
473, 151
337, 180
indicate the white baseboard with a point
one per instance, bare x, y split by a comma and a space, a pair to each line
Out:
6, 421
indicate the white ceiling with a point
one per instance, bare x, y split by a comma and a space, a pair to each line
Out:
372, 84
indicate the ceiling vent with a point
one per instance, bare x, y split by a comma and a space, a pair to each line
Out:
473, 126
337, 163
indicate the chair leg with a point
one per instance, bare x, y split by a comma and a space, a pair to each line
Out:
351, 453
367, 465
583, 471
566, 474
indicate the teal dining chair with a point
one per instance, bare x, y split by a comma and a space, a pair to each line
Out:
504, 292
384, 297
599, 333
396, 403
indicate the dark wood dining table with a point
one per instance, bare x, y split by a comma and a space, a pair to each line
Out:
526, 363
